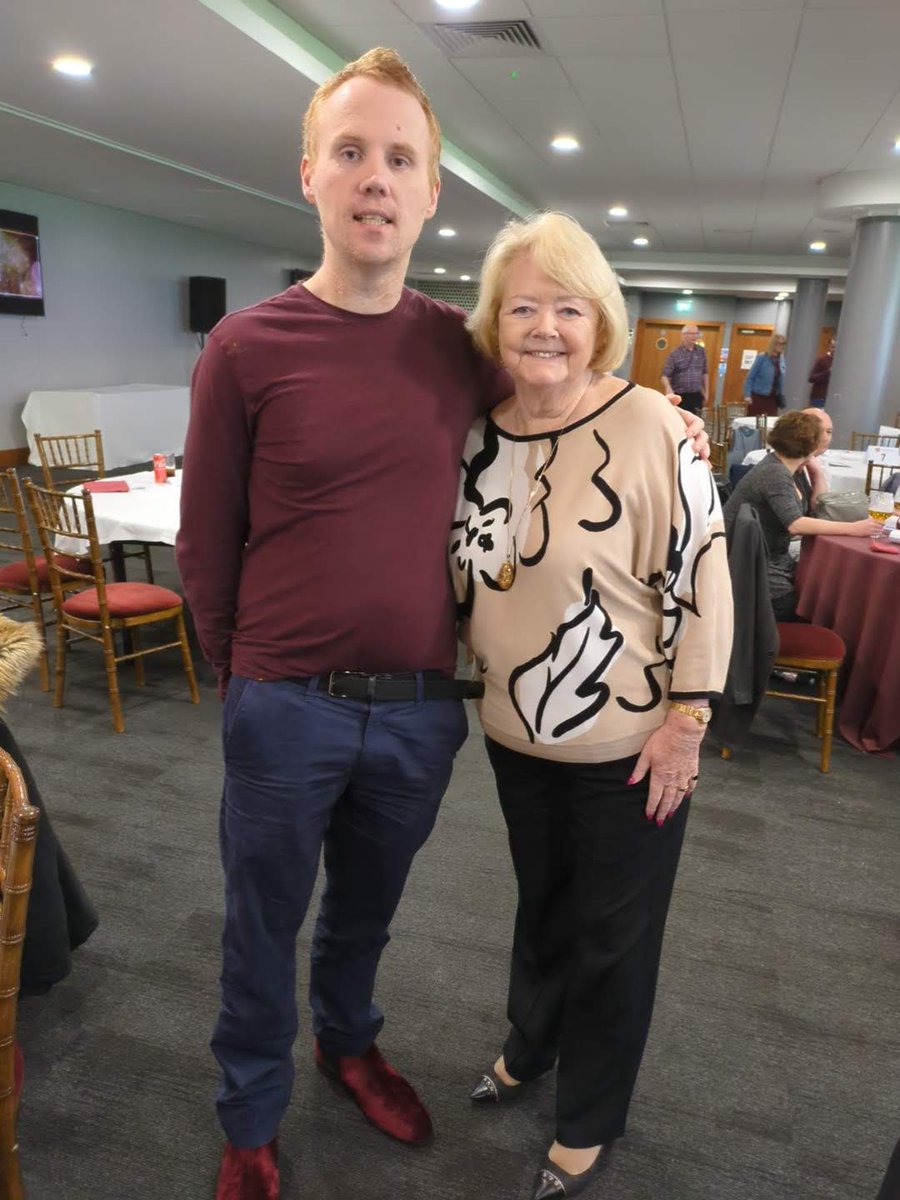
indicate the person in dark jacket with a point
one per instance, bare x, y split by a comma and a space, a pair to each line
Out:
60, 914
820, 377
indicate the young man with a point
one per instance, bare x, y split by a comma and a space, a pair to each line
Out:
321, 471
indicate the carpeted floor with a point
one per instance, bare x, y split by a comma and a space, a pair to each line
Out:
773, 1067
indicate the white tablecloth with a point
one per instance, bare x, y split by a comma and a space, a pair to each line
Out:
844, 469
147, 512
137, 420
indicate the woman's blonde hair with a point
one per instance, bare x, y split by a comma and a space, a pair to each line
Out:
571, 258
384, 66
770, 345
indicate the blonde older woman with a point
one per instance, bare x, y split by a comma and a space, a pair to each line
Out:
764, 384
589, 562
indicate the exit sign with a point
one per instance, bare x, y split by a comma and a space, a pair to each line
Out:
684, 305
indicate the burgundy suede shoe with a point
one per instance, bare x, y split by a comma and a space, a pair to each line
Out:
249, 1174
382, 1094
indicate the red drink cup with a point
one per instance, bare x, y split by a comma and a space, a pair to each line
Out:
159, 468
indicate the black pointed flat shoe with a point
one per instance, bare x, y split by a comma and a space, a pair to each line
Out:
490, 1088
553, 1183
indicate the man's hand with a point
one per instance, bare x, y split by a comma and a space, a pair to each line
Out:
695, 428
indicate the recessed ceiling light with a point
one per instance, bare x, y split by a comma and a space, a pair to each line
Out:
457, 5
80, 68
818, 247
618, 210
687, 291
446, 232
465, 278
565, 143
641, 241
897, 146
440, 270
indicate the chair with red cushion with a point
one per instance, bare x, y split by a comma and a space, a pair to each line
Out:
89, 607
24, 582
61, 454
760, 645
18, 831
821, 651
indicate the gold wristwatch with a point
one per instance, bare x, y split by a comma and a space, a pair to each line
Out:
701, 715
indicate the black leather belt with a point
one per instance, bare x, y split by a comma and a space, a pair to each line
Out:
355, 685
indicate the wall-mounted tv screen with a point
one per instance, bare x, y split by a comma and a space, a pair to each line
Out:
21, 286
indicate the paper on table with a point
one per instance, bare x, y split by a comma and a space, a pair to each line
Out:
106, 485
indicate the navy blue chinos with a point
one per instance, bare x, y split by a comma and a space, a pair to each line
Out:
306, 772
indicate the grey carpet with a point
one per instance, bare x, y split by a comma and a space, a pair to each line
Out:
773, 1067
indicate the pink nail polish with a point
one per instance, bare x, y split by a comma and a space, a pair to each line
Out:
630, 780
660, 820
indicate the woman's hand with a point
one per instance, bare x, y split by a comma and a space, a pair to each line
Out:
864, 528
695, 428
671, 754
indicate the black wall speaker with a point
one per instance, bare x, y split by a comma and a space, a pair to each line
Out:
206, 302
297, 274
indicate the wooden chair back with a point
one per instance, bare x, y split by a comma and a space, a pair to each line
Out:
60, 514
878, 476
16, 546
15, 536
18, 830
862, 441
735, 410
68, 452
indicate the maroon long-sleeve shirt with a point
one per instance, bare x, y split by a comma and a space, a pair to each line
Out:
320, 476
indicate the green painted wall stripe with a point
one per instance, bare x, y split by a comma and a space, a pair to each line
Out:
284, 37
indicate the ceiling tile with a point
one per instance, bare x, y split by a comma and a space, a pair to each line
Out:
602, 37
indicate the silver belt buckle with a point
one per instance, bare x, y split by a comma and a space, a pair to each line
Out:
331, 675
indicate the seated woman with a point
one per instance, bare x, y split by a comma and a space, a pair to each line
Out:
779, 490
588, 557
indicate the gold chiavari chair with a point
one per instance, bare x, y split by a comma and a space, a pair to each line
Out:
89, 607
879, 475
18, 831
61, 454
862, 441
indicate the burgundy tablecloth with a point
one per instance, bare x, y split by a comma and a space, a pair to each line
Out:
846, 586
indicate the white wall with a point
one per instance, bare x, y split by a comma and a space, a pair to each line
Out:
116, 299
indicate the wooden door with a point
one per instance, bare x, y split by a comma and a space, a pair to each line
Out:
744, 340
654, 341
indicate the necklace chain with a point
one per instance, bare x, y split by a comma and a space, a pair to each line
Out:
506, 576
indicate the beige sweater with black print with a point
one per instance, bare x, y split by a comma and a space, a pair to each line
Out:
621, 599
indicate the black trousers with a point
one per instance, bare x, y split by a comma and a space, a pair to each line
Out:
692, 401
595, 879
890, 1185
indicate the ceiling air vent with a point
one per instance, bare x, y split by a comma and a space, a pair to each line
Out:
471, 39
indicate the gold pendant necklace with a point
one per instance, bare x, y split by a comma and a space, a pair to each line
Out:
506, 576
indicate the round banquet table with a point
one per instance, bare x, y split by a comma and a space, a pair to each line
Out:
843, 584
